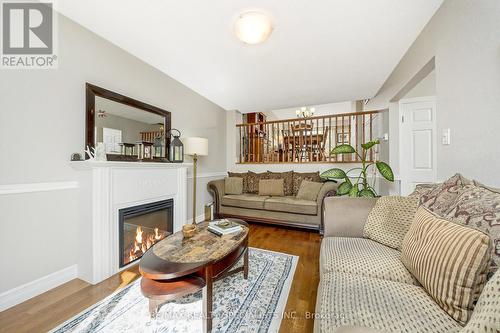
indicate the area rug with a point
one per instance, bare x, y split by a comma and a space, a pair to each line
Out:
253, 305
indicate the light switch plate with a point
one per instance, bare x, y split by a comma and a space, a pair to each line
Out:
446, 138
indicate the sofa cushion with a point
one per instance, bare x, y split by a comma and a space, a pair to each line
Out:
364, 257
291, 205
287, 180
309, 190
243, 175
246, 200
478, 207
253, 181
449, 260
355, 300
272, 187
298, 177
486, 315
390, 219
441, 198
233, 185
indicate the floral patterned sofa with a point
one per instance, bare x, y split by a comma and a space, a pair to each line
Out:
364, 286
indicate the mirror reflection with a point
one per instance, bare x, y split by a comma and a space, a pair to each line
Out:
126, 130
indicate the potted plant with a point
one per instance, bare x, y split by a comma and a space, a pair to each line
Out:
360, 187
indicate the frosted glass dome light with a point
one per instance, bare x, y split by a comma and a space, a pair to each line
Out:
253, 27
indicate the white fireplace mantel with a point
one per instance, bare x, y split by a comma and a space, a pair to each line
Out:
106, 187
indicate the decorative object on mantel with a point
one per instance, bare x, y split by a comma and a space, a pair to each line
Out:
76, 157
100, 152
195, 147
361, 188
144, 150
305, 112
176, 148
90, 151
127, 149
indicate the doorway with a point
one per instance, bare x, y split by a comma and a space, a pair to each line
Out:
418, 142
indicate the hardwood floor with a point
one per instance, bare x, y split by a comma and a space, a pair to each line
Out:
50, 309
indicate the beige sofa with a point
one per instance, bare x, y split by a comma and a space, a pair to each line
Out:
285, 210
364, 287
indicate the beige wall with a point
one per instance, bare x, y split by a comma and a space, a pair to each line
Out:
464, 38
42, 121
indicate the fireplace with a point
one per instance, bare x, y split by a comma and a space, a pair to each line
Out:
140, 227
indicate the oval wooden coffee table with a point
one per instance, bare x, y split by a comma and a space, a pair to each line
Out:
177, 266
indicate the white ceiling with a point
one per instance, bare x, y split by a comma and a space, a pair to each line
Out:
320, 51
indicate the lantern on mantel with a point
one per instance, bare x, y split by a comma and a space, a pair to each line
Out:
176, 148
144, 150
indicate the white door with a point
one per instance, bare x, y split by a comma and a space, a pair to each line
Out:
417, 142
111, 138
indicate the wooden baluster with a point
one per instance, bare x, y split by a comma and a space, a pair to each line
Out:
356, 124
241, 145
310, 141
371, 135
363, 139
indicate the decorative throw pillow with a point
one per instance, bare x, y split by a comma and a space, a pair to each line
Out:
441, 198
287, 177
390, 219
309, 190
243, 175
233, 185
423, 189
449, 260
253, 181
272, 187
298, 177
478, 207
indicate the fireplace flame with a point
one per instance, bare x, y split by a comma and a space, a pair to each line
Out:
143, 241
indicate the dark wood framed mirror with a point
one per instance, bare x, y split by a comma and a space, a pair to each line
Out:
130, 130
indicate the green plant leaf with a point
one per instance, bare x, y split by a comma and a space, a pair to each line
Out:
353, 192
369, 144
385, 170
367, 193
343, 149
334, 173
344, 188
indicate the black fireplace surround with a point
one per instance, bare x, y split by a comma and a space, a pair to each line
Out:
142, 226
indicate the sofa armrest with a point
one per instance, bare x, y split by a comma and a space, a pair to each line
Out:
329, 189
346, 217
217, 187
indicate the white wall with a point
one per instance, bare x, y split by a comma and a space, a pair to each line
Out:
426, 87
42, 121
464, 38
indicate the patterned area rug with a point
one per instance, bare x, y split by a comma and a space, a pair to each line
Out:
253, 305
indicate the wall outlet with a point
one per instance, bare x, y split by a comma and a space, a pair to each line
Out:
446, 138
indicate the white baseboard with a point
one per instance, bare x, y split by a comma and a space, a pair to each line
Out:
34, 288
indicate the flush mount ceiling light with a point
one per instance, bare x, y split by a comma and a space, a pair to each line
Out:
253, 27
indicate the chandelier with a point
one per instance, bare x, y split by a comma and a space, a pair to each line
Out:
305, 112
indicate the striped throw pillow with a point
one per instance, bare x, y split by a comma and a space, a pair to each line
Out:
449, 260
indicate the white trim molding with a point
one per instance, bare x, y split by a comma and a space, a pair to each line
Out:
209, 175
34, 288
37, 187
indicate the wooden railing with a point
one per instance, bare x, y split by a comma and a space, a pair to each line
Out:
305, 140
